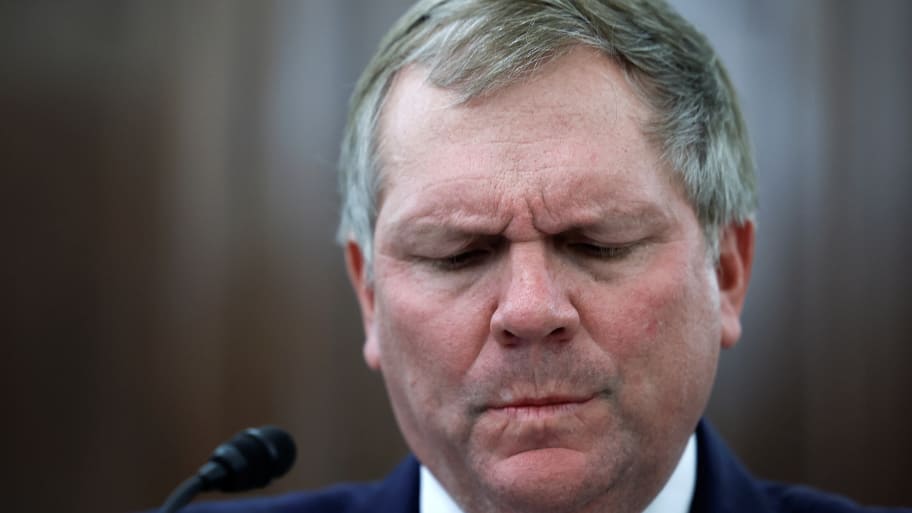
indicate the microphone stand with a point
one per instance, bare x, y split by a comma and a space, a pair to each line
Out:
182, 494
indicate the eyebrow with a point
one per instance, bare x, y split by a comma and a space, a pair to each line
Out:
445, 227
620, 218
424, 228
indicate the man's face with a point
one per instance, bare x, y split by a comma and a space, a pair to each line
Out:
543, 309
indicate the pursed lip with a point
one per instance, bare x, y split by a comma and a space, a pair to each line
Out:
550, 404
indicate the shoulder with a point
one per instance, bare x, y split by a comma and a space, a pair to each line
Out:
804, 499
725, 486
397, 493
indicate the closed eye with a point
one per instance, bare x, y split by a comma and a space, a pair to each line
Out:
597, 251
462, 260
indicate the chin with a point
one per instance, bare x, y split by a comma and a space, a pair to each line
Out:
545, 480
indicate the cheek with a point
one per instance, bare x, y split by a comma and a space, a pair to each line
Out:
663, 331
428, 335
631, 319
428, 342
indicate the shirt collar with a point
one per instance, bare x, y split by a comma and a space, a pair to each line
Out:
675, 497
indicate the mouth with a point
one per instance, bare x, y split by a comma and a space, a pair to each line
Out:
540, 407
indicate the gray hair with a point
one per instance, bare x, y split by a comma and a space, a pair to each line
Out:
474, 47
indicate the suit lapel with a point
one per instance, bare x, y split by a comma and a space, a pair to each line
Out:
723, 485
398, 493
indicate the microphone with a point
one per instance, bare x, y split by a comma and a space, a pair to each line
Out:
251, 459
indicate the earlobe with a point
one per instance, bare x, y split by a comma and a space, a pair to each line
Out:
372, 352
736, 255
356, 265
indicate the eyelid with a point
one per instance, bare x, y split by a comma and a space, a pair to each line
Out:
460, 260
471, 253
600, 250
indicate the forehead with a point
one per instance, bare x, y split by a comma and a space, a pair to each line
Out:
583, 89
548, 136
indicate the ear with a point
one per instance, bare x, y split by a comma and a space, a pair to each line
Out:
357, 272
736, 255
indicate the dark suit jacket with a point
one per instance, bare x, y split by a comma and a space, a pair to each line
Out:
723, 486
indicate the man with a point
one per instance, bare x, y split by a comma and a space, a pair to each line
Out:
548, 224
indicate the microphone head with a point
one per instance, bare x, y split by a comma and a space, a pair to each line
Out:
251, 459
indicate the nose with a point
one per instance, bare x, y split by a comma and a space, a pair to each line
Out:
534, 303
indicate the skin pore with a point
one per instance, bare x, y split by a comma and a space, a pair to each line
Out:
542, 308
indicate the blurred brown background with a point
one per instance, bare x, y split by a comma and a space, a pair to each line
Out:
170, 276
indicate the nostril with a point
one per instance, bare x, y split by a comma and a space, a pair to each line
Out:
508, 337
511, 338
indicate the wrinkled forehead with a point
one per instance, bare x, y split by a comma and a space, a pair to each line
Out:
582, 90
570, 137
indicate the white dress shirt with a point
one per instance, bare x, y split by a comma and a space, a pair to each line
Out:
675, 497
